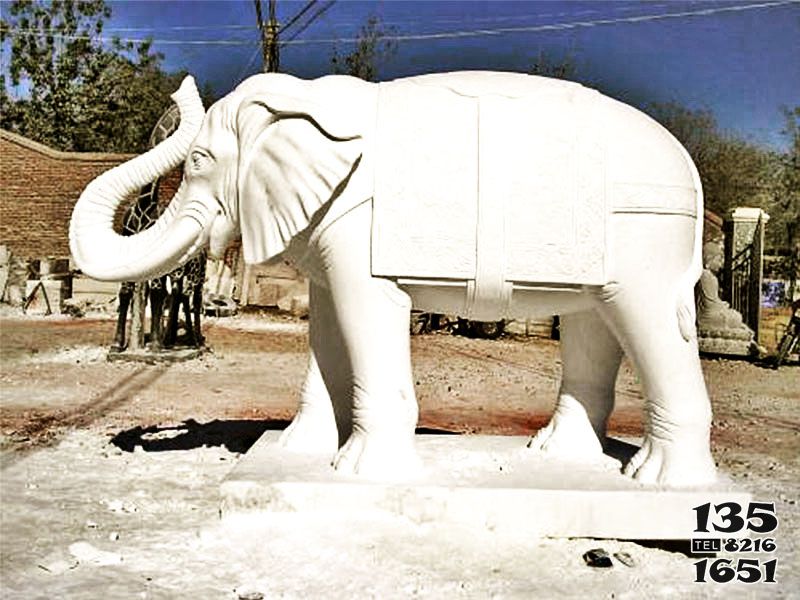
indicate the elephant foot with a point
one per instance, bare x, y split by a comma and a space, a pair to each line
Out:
379, 457
673, 463
569, 434
311, 432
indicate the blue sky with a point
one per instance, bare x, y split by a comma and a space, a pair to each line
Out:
739, 59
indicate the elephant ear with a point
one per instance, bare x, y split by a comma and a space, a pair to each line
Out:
293, 159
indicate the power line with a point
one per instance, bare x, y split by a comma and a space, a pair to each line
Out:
313, 18
441, 35
557, 26
298, 16
399, 20
248, 65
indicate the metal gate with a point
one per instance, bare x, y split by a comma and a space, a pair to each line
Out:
743, 283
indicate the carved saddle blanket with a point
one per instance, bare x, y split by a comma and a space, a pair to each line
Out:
489, 188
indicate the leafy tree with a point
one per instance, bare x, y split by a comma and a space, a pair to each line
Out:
785, 206
373, 48
734, 172
80, 94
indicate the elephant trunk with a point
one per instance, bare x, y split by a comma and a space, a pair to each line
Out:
103, 254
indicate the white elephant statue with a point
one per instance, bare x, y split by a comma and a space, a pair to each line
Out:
488, 195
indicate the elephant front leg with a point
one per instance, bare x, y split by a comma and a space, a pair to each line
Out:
590, 357
373, 397
365, 359
313, 428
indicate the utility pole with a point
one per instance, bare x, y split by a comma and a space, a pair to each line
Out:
270, 31
270, 52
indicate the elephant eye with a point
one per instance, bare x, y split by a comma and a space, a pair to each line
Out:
198, 159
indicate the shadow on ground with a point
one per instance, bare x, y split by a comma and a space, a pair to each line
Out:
236, 435
619, 449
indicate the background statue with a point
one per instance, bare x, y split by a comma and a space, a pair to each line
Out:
579, 206
166, 295
720, 328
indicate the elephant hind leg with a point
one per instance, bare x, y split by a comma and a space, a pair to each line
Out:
591, 356
676, 449
641, 307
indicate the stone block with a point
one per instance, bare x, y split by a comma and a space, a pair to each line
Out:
489, 482
44, 296
275, 291
92, 290
531, 327
3, 280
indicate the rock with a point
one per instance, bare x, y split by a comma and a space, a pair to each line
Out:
88, 554
216, 305
118, 506
598, 558
247, 592
625, 558
296, 304
57, 563
74, 307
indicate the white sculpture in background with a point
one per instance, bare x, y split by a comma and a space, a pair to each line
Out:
720, 328
488, 195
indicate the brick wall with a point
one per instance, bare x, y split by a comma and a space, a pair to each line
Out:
38, 189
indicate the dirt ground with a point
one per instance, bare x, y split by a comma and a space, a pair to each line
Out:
110, 472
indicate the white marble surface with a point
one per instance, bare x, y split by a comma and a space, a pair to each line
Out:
490, 482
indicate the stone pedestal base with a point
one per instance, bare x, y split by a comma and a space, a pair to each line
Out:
490, 482
726, 346
168, 355
44, 296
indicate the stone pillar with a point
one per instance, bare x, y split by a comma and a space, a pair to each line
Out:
744, 259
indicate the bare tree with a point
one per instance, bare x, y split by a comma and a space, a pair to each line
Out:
374, 47
547, 66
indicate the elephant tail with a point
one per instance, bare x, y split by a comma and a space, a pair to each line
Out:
686, 304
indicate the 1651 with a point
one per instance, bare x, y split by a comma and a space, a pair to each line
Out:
746, 570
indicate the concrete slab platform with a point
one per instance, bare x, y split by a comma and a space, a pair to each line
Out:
490, 482
166, 355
